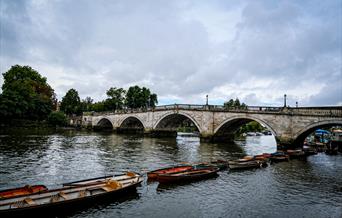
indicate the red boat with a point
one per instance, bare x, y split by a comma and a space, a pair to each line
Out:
187, 176
170, 170
26, 190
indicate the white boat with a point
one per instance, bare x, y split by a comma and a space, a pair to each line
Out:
71, 196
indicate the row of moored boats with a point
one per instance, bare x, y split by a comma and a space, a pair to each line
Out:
38, 199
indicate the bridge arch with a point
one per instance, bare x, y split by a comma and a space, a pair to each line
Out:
303, 133
173, 119
229, 126
131, 122
104, 123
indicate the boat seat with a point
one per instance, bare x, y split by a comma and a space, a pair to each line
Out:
111, 185
29, 201
63, 195
56, 197
82, 193
107, 189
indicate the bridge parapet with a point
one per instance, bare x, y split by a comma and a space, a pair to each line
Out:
335, 111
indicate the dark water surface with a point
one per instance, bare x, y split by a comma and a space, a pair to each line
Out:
311, 188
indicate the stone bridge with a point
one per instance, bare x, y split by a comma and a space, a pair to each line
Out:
290, 126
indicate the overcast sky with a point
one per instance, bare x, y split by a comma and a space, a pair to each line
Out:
181, 50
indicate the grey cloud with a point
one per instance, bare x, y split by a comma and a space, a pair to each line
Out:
96, 45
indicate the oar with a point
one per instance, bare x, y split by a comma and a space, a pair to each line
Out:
96, 182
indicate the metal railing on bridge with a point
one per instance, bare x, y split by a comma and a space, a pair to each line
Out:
334, 111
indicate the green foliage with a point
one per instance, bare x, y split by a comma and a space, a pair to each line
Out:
115, 100
252, 126
137, 97
98, 106
71, 103
86, 104
57, 118
234, 104
25, 94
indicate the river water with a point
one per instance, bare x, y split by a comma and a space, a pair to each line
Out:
299, 188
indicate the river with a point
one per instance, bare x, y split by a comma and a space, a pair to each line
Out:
298, 188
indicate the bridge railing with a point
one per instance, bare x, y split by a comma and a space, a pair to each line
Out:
335, 111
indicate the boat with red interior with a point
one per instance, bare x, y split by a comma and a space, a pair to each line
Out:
188, 176
169, 170
25, 190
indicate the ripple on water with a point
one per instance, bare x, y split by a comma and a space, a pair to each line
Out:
311, 188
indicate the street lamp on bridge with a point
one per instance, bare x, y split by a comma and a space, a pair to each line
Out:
207, 100
284, 100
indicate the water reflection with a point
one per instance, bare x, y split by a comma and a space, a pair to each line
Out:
311, 188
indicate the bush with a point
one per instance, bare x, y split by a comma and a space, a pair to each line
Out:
57, 118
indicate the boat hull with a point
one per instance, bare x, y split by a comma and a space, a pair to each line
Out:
176, 169
189, 176
222, 165
70, 199
244, 165
66, 208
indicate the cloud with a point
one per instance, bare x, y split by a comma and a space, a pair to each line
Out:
181, 50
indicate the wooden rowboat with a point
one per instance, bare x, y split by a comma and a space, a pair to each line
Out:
78, 194
175, 169
236, 165
188, 176
296, 153
26, 190
221, 164
98, 180
279, 157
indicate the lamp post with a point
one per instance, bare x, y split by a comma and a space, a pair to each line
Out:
296, 103
284, 100
207, 100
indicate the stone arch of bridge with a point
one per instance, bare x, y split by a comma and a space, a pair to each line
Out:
105, 123
172, 116
132, 121
303, 133
232, 124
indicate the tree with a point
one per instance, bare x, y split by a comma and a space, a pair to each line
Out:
71, 103
234, 104
57, 118
115, 100
98, 106
25, 94
86, 104
137, 97
153, 101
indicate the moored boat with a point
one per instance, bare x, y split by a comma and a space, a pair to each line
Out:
221, 164
296, 153
175, 169
188, 176
25, 190
309, 150
235, 165
262, 157
98, 180
279, 157
53, 202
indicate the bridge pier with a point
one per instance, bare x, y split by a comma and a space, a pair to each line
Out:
129, 130
162, 133
284, 143
228, 137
